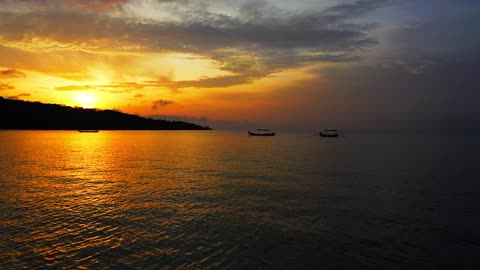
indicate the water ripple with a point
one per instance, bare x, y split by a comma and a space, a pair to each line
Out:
192, 202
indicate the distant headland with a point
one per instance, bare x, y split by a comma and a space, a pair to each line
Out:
18, 114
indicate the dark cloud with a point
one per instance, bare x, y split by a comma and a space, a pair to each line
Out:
161, 103
139, 96
4, 86
11, 73
348, 10
426, 78
334, 58
17, 97
96, 5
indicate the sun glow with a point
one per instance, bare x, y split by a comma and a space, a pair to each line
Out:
85, 100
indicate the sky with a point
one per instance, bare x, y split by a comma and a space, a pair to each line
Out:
237, 64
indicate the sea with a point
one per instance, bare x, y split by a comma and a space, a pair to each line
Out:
226, 200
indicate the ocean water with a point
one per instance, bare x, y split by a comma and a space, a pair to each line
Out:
224, 200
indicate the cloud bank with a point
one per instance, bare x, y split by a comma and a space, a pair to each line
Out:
256, 40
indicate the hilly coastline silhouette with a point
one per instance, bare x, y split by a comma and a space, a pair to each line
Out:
18, 114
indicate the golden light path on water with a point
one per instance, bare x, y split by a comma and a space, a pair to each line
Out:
82, 187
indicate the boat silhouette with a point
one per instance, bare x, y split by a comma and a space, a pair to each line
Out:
262, 132
329, 133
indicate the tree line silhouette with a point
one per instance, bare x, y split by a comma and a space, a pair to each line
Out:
18, 114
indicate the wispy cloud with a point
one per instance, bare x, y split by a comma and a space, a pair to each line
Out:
115, 87
11, 73
222, 81
4, 86
17, 97
161, 103
73, 87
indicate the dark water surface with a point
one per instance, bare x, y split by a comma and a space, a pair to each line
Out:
223, 200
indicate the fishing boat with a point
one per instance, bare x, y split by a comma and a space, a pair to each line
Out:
88, 130
329, 133
262, 132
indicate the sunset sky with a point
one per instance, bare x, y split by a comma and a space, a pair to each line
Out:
233, 64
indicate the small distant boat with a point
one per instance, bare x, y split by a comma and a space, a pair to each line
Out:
329, 133
88, 130
262, 132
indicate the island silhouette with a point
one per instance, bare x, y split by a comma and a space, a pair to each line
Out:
19, 114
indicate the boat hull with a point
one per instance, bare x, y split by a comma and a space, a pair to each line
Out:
261, 134
328, 135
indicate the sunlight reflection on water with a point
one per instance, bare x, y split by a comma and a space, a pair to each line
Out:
151, 199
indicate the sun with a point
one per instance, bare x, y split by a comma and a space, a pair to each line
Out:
85, 100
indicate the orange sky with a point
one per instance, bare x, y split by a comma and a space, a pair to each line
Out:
258, 61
